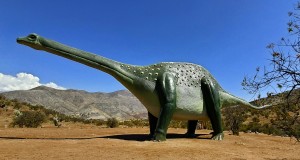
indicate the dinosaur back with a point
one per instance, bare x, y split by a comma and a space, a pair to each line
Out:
186, 74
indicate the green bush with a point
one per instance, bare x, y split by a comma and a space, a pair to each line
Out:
112, 123
254, 127
233, 118
296, 132
129, 123
138, 122
98, 122
30, 119
17, 105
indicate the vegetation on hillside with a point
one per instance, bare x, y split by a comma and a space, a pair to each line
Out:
26, 115
280, 119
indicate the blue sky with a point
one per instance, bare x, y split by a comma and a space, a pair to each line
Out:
229, 38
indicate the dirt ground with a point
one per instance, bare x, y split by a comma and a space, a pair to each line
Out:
130, 143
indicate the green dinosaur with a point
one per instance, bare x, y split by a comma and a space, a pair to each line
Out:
169, 90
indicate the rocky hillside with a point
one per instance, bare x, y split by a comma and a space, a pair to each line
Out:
120, 104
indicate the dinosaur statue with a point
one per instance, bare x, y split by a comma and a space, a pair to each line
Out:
169, 90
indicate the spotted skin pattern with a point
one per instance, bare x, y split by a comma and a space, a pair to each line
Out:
186, 74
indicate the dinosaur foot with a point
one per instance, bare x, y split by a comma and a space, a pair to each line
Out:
150, 137
218, 136
190, 135
158, 137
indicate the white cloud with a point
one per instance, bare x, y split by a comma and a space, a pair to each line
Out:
22, 81
53, 85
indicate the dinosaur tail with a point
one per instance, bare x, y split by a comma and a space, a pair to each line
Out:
228, 99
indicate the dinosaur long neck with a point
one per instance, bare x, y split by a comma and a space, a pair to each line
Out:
104, 64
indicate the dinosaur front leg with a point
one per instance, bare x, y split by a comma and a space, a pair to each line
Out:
152, 124
212, 103
166, 89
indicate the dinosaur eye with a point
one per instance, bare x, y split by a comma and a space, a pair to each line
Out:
32, 37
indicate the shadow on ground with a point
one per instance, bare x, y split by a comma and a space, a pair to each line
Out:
128, 137
145, 137
42, 138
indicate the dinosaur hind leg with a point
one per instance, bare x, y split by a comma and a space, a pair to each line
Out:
152, 123
212, 102
192, 124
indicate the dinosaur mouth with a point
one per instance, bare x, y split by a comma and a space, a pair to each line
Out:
19, 40
29, 41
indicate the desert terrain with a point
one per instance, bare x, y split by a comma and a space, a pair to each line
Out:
91, 142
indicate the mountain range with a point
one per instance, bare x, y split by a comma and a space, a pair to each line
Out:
120, 104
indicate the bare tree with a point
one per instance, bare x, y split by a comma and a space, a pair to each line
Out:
284, 70
282, 74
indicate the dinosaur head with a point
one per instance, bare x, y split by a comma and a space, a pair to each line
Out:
32, 40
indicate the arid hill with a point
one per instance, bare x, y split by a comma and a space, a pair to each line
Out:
120, 104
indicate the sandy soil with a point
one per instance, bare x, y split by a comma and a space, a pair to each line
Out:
131, 143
